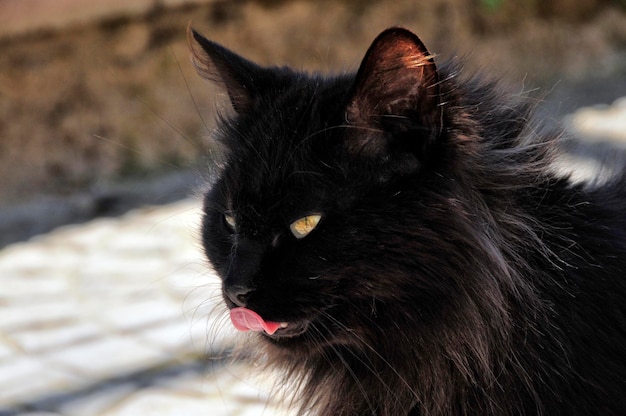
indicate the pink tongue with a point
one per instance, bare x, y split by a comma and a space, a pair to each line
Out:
246, 320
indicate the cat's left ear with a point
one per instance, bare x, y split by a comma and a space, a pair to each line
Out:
396, 93
218, 64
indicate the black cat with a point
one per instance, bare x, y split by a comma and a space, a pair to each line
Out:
403, 245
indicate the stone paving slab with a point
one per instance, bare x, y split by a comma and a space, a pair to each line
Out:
119, 316
602, 123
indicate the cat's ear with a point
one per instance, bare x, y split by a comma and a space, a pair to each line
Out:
218, 64
396, 92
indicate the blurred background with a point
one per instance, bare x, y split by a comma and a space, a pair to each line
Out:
104, 125
96, 95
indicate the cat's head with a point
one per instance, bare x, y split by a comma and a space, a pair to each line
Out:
329, 209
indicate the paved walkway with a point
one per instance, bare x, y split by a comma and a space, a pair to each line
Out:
121, 316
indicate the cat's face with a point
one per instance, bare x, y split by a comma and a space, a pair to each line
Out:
267, 229
310, 217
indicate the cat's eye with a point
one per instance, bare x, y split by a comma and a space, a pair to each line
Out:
303, 226
229, 219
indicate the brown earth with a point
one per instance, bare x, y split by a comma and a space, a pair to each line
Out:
109, 95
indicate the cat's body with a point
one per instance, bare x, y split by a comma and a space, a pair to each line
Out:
403, 237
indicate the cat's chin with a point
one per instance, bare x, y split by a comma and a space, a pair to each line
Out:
290, 331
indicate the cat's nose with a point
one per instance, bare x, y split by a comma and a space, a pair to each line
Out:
238, 294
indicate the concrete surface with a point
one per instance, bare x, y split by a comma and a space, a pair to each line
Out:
119, 316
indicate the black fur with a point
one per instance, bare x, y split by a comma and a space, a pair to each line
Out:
452, 273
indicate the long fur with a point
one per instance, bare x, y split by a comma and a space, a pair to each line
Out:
470, 280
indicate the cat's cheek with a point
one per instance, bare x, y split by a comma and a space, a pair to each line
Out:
218, 243
218, 252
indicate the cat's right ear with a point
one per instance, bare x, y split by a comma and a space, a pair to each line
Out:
396, 93
218, 64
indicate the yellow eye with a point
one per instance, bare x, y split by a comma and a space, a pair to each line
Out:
302, 227
230, 221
